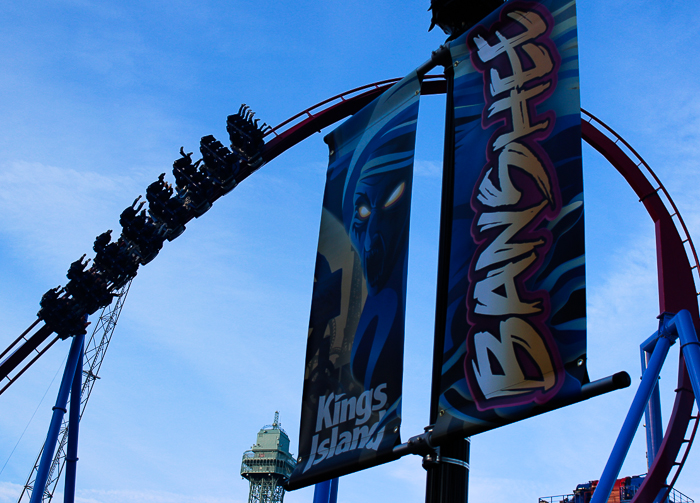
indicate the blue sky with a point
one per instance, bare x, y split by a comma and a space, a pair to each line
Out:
96, 99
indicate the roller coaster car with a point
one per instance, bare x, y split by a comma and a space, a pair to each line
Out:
173, 216
133, 224
89, 289
194, 186
246, 136
202, 193
159, 190
116, 260
130, 214
62, 314
149, 241
173, 212
77, 268
220, 162
144, 233
102, 241
184, 171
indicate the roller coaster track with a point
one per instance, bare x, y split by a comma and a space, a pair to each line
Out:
677, 259
95, 349
679, 285
287, 134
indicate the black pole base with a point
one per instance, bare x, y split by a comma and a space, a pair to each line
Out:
448, 473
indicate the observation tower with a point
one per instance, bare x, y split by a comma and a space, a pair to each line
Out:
268, 464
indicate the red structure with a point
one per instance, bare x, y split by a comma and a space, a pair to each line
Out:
624, 491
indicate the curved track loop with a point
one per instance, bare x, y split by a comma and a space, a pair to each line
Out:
677, 259
677, 266
323, 114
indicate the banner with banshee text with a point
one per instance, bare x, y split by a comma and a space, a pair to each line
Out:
351, 405
515, 340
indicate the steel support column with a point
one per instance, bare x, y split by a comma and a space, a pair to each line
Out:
629, 427
59, 411
326, 491
73, 429
682, 323
652, 414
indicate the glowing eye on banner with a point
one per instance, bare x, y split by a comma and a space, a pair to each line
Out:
395, 196
363, 212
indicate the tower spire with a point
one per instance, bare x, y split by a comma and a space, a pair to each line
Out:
268, 464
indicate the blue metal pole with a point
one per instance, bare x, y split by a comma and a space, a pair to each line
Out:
683, 323
322, 492
59, 411
652, 414
660, 498
334, 491
73, 428
629, 427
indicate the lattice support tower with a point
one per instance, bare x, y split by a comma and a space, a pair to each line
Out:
95, 349
268, 464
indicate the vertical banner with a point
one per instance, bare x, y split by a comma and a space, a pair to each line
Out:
515, 340
351, 405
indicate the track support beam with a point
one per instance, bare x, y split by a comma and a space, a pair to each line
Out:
671, 327
59, 410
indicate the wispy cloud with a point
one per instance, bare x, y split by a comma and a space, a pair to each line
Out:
427, 168
50, 213
9, 492
622, 305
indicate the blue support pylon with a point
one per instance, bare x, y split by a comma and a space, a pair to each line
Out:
333, 497
75, 354
652, 414
73, 429
326, 491
682, 323
671, 327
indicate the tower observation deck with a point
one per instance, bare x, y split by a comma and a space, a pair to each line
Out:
268, 464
